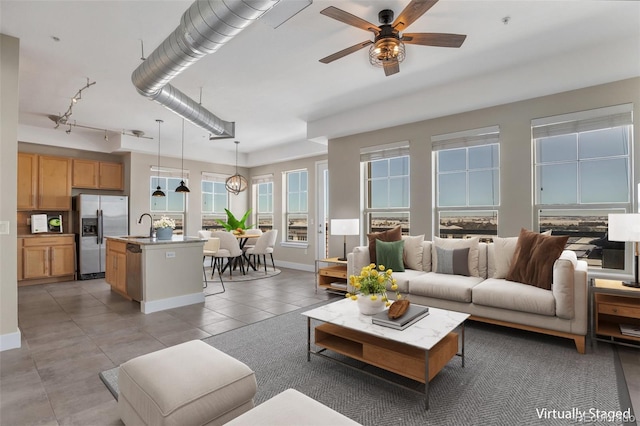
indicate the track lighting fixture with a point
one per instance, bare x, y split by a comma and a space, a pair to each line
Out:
64, 118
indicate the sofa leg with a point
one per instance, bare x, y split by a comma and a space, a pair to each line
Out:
580, 344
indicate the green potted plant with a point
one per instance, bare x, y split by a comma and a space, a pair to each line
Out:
234, 225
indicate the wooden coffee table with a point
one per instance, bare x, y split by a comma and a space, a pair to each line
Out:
417, 352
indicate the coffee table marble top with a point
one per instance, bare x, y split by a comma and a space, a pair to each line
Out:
424, 334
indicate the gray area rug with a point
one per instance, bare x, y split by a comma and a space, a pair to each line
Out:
239, 277
510, 377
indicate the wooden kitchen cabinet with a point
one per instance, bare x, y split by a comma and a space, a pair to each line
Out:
116, 266
97, 175
46, 259
27, 181
54, 183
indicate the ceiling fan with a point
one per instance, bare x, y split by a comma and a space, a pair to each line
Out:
387, 48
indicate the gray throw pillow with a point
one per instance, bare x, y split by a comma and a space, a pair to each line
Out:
453, 261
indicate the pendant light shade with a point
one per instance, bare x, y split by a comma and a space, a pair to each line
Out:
158, 192
236, 183
182, 187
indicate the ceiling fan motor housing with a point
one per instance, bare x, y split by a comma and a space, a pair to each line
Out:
385, 17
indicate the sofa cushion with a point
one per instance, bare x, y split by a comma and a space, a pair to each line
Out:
403, 278
441, 286
389, 254
456, 243
413, 251
500, 293
534, 258
394, 234
453, 261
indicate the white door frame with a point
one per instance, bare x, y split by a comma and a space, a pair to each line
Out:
322, 209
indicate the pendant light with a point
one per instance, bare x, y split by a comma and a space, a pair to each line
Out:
158, 192
236, 183
182, 187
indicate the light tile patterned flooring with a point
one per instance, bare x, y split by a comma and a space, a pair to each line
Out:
72, 331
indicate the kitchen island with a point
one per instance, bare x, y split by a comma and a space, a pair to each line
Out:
160, 274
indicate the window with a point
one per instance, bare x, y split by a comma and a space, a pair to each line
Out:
582, 173
297, 217
386, 178
173, 204
263, 202
467, 183
215, 199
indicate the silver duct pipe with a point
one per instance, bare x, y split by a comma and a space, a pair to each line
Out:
205, 27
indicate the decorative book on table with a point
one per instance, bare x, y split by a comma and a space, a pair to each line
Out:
414, 314
630, 330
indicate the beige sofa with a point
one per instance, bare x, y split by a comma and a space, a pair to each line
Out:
561, 311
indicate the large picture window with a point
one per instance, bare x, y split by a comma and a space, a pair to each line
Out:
583, 173
297, 217
386, 179
467, 183
215, 198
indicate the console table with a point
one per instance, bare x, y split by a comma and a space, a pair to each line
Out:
613, 304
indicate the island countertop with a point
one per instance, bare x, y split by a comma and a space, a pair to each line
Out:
141, 240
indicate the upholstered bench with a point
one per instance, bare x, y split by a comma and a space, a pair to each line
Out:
187, 384
291, 408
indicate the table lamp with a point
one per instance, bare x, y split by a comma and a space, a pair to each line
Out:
345, 227
626, 227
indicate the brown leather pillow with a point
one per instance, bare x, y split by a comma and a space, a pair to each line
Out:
394, 234
534, 258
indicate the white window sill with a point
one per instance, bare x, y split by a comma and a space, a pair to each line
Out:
291, 244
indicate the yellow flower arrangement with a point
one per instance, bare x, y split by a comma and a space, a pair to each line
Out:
372, 282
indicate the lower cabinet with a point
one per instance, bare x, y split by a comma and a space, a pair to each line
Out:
46, 259
116, 266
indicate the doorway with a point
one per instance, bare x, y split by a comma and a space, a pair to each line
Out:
322, 214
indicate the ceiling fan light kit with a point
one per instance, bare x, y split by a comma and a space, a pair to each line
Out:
387, 49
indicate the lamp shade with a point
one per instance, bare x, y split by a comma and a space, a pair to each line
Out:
624, 227
345, 226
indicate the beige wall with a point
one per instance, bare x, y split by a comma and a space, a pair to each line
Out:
515, 153
9, 67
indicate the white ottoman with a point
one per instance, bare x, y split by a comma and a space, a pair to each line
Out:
292, 408
187, 384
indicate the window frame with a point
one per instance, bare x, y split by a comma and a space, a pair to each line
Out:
290, 214
208, 219
259, 214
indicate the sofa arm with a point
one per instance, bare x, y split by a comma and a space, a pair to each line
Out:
357, 259
570, 286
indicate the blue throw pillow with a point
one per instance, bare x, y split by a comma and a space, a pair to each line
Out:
389, 254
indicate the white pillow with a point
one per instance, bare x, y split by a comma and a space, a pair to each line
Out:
504, 249
456, 243
412, 255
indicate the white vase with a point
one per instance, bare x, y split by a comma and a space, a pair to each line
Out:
164, 233
370, 307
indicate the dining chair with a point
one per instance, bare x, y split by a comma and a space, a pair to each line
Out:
264, 245
204, 234
211, 247
230, 250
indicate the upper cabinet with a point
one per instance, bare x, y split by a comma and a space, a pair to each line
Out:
44, 182
97, 175
27, 181
54, 183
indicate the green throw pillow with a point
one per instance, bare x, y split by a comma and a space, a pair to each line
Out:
389, 254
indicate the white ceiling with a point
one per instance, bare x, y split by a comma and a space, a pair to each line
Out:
269, 81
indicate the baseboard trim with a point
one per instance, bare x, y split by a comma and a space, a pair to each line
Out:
10, 341
297, 266
171, 302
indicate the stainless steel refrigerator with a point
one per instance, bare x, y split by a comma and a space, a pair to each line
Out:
97, 217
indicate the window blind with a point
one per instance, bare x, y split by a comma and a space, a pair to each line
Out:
466, 138
169, 172
584, 121
214, 177
379, 152
262, 179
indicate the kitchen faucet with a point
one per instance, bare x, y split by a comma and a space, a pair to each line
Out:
151, 220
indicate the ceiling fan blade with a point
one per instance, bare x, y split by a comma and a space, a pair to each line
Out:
391, 67
434, 39
345, 52
414, 10
349, 19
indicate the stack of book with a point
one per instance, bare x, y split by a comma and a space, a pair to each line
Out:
414, 314
630, 330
